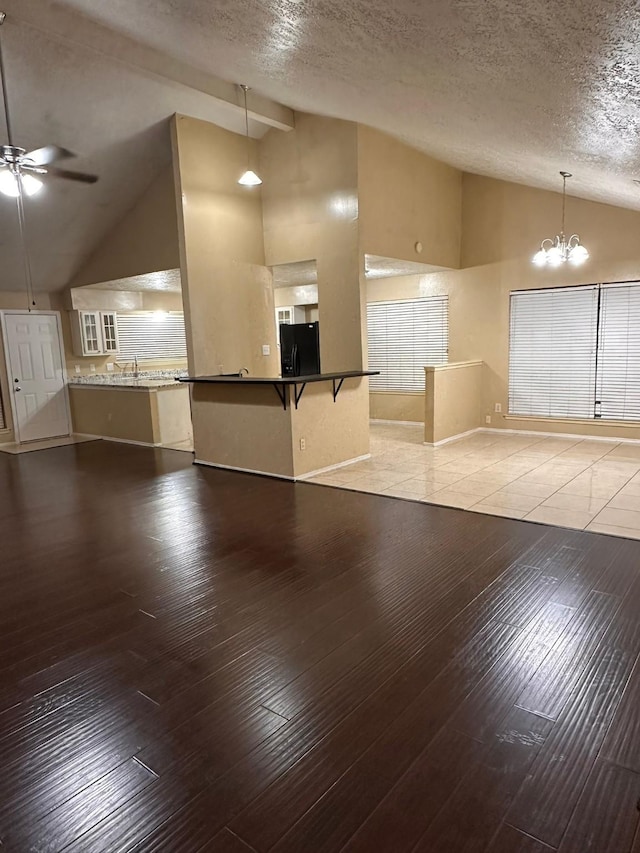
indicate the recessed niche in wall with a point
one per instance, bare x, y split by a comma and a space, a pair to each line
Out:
296, 283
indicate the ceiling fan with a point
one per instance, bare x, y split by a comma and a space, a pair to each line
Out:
21, 171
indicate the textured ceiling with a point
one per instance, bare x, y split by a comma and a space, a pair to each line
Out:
508, 89
376, 266
501, 87
296, 274
167, 281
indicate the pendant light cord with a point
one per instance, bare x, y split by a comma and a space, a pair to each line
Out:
564, 199
246, 124
23, 241
3, 16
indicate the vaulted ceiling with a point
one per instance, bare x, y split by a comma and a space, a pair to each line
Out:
78, 85
500, 87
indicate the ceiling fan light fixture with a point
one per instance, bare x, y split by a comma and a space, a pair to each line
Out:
248, 177
9, 184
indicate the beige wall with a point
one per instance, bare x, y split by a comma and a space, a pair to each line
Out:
248, 428
154, 416
227, 289
114, 413
396, 406
503, 224
333, 432
296, 295
310, 211
453, 400
242, 427
406, 197
144, 240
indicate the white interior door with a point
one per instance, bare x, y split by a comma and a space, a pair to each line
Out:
36, 376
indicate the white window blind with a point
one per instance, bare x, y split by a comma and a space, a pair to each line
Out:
404, 337
151, 336
618, 387
552, 352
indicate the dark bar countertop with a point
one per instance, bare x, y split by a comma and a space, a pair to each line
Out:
236, 379
282, 382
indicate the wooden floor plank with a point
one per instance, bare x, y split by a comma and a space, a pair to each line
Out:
606, 816
197, 660
473, 815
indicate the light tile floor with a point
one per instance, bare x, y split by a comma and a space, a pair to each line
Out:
583, 484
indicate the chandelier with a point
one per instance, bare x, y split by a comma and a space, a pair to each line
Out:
558, 251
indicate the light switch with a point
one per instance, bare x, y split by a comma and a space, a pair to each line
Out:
266, 349
110, 366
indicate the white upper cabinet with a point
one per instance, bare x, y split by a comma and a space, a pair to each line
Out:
289, 314
94, 332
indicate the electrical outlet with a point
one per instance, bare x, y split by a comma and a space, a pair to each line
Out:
303, 444
110, 366
77, 368
487, 419
266, 349
498, 408
92, 368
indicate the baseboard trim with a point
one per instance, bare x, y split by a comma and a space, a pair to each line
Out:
456, 437
541, 433
334, 467
575, 435
392, 423
120, 440
243, 470
282, 476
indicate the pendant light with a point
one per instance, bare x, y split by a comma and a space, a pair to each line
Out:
558, 251
249, 177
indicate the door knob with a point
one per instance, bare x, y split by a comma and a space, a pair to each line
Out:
18, 388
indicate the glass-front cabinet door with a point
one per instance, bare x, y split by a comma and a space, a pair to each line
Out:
109, 331
91, 337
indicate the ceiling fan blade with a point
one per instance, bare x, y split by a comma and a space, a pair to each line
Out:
48, 154
82, 177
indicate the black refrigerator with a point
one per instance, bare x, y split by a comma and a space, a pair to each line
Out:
299, 349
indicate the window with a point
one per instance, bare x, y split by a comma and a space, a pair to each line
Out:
552, 352
151, 336
575, 352
404, 337
618, 388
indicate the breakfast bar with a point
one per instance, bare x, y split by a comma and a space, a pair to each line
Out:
239, 423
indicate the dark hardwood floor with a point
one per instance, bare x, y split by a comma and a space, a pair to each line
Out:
197, 660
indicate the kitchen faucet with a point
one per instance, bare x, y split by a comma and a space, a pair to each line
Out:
246, 370
135, 367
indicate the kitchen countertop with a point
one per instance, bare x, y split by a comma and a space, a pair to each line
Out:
127, 383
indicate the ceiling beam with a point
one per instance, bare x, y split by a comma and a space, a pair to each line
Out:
67, 25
